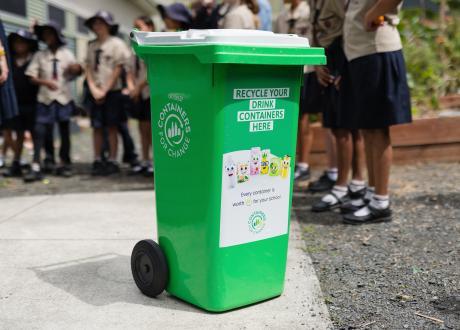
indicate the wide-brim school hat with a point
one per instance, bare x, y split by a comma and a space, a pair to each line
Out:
25, 35
177, 12
38, 30
106, 17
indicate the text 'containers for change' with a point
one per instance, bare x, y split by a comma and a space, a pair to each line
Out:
224, 120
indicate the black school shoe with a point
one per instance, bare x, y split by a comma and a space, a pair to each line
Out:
348, 207
322, 206
98, 168
148, 173
111, 168
33, 176
15, 170
301, 174
375, 216
64, 171
323, 184
48, 166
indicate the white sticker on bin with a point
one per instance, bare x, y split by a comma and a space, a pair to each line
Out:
220, 36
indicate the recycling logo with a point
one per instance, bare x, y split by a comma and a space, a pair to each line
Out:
174, 130
257, 222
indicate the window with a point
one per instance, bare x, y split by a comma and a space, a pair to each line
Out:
81, 25
57, 15
17, 7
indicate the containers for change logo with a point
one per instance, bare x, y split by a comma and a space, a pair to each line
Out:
174, 130
257, 221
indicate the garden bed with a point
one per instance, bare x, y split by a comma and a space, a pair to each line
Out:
424, 140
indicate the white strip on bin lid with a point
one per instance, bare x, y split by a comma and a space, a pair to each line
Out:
220, 36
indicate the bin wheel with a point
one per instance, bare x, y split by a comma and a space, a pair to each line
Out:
149, 268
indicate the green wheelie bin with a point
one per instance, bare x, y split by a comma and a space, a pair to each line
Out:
224, 107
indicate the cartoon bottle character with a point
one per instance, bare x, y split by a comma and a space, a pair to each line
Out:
243, 171
285, 166
275, 164
255, 156
230, 171
264, 164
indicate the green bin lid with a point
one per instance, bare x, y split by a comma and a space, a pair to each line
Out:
230, 46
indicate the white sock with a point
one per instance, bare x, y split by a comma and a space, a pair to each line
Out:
333, 173
303, 166
35, 167
369, 193
380, 202
339, 191
362, 212
356, 185
358, 202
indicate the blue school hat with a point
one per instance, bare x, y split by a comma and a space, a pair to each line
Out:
107, 17
177, 12
24, 35
54, 26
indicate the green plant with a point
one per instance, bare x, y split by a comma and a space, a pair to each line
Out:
432, 53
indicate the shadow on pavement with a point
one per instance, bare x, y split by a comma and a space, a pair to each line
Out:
301, 206
103, 280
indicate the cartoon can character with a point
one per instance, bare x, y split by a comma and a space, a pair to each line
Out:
264, 164
285, 166
255, 156
243, 169
230, 171
275, 164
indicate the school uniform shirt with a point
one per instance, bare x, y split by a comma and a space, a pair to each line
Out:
296, 21
103, 57
358, 42
238, 17
139, 71
51, 66
326, 18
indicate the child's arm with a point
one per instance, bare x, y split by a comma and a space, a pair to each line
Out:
95, 91
3, 65
44, 82
135, 88
73, 71
381, 8
33, 72
113, 79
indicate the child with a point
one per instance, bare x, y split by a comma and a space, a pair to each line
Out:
8, 103
176, 17
328, 17
295, 19
376, 78
106, 57
23, 45
52, 70
140, 95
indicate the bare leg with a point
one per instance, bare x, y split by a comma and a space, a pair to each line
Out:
359, 159
113, 142
368, 143
331, 149
146, 139
344, 155
18, 146
8, 141
382, 154
98, 141
305, 137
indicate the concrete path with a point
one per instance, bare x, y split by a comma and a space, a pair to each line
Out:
65, 263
